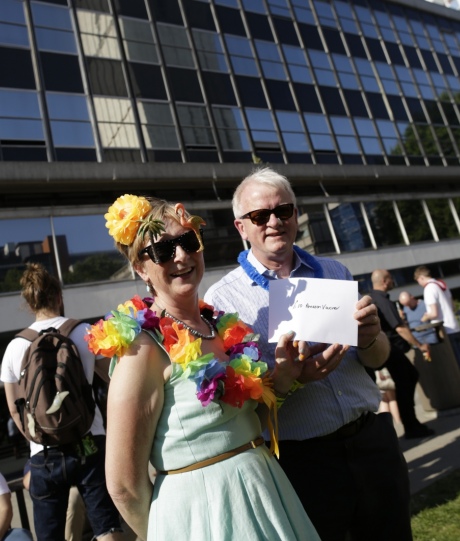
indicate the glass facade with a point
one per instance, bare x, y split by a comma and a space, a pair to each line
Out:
309, 82
291, 81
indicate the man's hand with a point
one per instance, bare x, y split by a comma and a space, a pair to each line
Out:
368, 321
319, 360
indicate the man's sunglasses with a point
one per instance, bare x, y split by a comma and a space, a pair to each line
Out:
163, 251
262, 216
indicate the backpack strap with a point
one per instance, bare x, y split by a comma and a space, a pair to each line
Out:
29, 334
66, 328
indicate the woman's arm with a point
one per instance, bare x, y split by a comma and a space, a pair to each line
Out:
6, 513
135, 402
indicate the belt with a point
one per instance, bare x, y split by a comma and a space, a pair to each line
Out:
223, 456
345, 431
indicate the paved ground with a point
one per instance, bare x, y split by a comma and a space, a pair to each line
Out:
428, 459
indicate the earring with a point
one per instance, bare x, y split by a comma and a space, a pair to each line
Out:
149, 287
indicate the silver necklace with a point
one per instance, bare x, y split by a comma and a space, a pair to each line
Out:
193, 331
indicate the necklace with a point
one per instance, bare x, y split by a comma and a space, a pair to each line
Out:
193, 331
262, 281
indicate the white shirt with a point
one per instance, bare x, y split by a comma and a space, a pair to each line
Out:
321, 407
434, 294
14, 353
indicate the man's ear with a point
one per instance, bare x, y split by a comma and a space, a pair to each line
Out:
239, 224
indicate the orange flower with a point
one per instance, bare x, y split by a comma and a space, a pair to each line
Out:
235, 335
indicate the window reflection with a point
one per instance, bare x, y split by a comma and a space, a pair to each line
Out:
138, 41
314, 235
230, 127
98, 35
210, 52
116, 123
23, 241
158, 125
82, 260
13, 34
241, 55
443, 220
175, 46
349, 226
415, 221
195, 125
384, 225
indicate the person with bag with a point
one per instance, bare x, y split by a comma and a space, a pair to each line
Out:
60, 457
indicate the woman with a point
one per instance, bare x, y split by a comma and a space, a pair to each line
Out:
177, 401
55, 469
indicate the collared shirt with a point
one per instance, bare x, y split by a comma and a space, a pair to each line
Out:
414, 319
321, 407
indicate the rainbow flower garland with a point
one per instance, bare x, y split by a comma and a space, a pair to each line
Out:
233, 382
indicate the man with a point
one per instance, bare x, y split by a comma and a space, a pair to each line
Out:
413, 311
402, 371
440, 306
343, 461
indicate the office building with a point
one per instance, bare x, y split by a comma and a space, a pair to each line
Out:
357, 102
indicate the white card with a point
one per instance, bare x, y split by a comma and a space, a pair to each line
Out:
317, 309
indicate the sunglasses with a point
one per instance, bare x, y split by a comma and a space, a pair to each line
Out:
163, 251
261, 216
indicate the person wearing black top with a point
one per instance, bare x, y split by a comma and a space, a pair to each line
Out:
402, 371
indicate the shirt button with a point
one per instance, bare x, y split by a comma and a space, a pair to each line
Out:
339, 393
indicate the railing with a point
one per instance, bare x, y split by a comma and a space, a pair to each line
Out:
17, 488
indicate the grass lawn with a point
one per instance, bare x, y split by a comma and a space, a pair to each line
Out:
436, 510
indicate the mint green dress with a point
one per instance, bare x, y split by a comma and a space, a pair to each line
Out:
244, 498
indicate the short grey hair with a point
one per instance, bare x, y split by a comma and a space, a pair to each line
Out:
261, 175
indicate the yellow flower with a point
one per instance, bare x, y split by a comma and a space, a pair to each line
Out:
124, 215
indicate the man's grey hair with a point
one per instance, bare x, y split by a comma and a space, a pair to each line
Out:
261, 175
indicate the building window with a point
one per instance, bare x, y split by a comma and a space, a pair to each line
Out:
262, 127
270, 60
297, 64
292, 132
210, 53
230, 127
175, 46
195, 125
20, 118
241, 55
53, 28
69, 118
13, 29
158, 125
319, 131
98, 35
138, 41
116, 123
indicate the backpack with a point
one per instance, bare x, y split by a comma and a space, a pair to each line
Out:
54, 399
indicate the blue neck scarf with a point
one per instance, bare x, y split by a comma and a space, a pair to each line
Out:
263, 281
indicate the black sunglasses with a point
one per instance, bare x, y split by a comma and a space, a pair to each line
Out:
261, 216
163, 251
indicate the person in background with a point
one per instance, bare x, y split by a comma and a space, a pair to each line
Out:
6, 516
440, 306
404, 374
55, 469
188, 394
343, 460
413, 310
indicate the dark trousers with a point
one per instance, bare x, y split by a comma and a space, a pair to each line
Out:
405, 376
353, 488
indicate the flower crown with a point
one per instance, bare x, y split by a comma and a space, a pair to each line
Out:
129, 216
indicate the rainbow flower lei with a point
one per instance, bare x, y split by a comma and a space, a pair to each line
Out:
233, 382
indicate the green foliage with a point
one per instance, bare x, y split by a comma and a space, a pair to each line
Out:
11, 281
93, 268
436, 510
